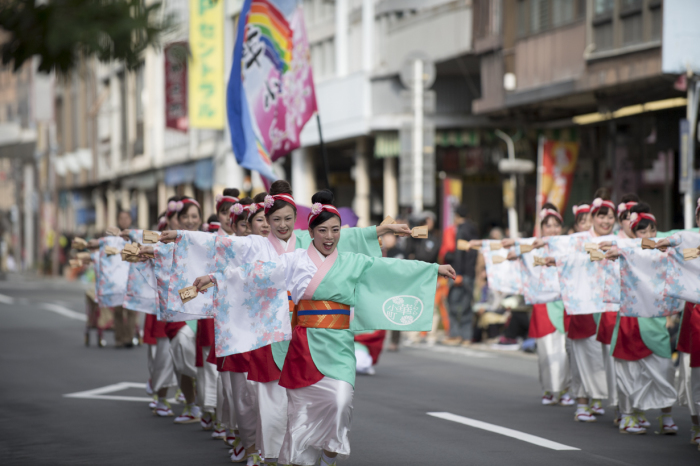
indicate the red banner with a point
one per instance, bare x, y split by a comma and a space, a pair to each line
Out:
176, 86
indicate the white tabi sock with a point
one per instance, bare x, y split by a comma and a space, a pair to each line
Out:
327, 460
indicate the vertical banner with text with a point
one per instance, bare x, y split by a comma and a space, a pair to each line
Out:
206, 67
558, 165
176, 86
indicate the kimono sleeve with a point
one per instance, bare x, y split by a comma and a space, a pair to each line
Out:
582, 281
682, 276
162, 266
360, 241
252, 306
642, 282
113, 273
136, 236
193, 256
539, 283
394, 294
504, 276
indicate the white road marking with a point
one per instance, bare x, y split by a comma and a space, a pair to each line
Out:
6, 299
64, 311
101, 393
452, 350
503, 431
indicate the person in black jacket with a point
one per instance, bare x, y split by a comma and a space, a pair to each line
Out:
425, 250
459, 300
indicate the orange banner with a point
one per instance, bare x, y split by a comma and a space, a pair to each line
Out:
558, 165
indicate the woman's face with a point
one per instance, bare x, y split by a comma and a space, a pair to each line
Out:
190, 218
648, 232
583, 222
625, 224
173, 223
551, 227
258, 225
282, 222
241, 228
326, 235
603, 223
224, 220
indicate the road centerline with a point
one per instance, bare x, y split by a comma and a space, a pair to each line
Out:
516, 434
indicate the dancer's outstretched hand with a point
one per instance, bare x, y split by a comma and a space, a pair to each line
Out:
202, 281
446, 270
168, 236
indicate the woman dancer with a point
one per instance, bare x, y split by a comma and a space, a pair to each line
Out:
319, 370
641, 348
548, 325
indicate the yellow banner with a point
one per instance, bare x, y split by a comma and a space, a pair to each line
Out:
205, 73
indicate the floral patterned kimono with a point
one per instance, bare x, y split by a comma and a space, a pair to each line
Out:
319, 370
583, 298
682, 283
260, 354
547, 321
640, 343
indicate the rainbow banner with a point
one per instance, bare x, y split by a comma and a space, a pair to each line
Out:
271, 92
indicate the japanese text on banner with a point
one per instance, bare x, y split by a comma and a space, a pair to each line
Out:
206, 69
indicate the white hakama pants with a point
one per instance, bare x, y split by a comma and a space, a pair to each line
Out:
207, 378
183, 348
226, 411
648, 383
319, 418
684, 386
163, 375
553, 362
271, 400
695, 386
151, 359
610, 376
587, 369
244, 406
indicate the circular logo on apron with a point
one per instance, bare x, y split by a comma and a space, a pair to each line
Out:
403, 310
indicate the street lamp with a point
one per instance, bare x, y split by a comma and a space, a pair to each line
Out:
513, 166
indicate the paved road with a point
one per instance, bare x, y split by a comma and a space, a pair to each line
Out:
43, 358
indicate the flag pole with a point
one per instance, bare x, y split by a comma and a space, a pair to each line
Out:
539, 201
326, 169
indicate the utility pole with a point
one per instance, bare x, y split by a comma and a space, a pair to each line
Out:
417, 203
688, 162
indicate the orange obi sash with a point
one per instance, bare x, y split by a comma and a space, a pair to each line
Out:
289, 300
321, 314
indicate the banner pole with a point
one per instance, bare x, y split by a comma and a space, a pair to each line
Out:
326, 169
538, 196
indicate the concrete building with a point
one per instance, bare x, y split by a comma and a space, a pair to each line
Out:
589, 71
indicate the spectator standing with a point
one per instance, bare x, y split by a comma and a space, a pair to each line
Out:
461, 292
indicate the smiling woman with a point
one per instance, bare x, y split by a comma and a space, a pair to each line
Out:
281, 210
